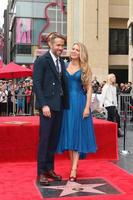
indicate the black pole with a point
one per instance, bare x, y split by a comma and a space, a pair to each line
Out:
125, 125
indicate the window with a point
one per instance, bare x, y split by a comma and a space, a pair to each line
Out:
38, 24
23, 49
118, 41
58, 20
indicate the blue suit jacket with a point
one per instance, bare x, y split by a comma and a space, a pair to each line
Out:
47, 85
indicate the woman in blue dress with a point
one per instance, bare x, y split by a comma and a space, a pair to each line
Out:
77, 132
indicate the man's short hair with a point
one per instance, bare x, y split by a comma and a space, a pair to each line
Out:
52, 36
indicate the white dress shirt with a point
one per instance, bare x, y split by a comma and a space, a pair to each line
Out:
54, 59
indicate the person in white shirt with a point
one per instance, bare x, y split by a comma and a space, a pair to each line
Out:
109, 100
3, 101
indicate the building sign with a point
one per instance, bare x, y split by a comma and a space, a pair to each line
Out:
23, 31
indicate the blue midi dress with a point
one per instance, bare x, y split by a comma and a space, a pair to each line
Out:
76, 133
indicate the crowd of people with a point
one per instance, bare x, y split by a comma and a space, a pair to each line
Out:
122, 88
21, 94
16, 98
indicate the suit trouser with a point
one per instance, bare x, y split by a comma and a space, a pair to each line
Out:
113, 115
48, 140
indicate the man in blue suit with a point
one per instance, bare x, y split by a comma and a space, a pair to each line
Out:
50, 87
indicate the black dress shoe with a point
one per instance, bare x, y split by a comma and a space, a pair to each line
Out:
53, 175
42, 180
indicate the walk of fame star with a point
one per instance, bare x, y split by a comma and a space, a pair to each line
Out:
73, 187
86, 187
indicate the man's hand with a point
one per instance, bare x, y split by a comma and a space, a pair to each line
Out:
46, 111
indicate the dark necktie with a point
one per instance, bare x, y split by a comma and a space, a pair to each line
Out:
57, 65
59, 74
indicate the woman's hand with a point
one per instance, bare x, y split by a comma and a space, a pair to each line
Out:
86, 112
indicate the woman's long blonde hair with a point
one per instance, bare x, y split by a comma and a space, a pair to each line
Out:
86, 74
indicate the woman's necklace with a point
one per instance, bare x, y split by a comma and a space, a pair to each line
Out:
73, 68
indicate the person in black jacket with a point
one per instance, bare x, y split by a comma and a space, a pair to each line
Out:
50, 87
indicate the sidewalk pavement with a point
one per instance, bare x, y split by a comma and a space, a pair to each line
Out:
126, 160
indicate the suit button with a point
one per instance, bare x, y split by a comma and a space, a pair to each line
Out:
53, 83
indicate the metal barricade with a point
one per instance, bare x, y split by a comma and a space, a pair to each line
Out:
124, 105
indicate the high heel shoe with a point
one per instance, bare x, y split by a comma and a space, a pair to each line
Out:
73, 178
